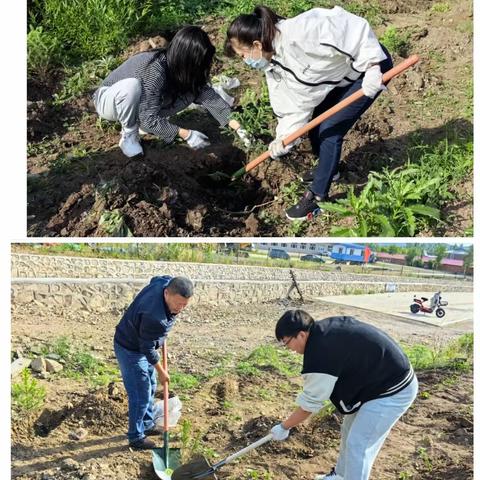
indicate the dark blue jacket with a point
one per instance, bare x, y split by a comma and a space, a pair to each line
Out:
144, 326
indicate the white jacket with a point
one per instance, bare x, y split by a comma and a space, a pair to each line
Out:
315, 52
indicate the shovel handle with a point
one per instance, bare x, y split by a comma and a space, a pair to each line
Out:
387, 76
165, 388
245, 450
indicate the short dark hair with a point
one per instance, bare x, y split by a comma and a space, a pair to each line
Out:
181, 286
246, 28
292, 322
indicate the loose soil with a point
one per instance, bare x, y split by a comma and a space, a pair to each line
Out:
76, 170
80, 431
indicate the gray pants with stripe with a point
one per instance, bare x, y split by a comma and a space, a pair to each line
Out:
119, 102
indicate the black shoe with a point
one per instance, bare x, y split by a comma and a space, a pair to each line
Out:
306, 208
307, 177
155, 430
143, 444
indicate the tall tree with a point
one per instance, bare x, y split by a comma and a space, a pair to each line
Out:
440, 252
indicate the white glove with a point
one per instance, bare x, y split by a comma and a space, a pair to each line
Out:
244, 136
279, 432
197, 140
372, 81
277, 149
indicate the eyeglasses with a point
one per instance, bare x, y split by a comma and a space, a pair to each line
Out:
284, 344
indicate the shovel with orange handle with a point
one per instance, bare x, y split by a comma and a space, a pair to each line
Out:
387, 76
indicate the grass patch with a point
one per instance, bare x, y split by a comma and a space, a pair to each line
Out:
183, 381
268, 357
457, 355
81, 364
440, 7
85, 77
27, 395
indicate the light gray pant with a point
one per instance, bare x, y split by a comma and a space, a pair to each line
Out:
119, 102
364, 432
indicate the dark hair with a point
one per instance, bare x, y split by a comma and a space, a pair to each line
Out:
260, 25
292, 322
189, 61
181, 286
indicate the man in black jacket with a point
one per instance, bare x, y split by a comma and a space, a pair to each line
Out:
141, 331
363, 372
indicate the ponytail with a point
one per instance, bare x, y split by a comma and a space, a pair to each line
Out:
258, 26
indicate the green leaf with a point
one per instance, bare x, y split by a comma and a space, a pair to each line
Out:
425, 210
387, 228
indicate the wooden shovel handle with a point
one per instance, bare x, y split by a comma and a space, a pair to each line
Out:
387, 76
165, 388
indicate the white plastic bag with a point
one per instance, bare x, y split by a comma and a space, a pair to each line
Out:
174, 411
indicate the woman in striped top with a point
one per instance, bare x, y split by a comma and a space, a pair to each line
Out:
149, 87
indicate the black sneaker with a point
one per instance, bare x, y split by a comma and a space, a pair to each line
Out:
143, 444
306, 208
307, 177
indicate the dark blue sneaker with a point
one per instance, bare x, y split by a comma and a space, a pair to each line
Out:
306, 208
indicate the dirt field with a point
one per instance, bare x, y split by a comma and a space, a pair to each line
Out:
76, 171
434, 440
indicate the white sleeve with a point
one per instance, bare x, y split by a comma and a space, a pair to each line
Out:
316, 389
362, 43
287, 124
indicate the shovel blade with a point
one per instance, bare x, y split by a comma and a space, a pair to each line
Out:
174, 461
195, 470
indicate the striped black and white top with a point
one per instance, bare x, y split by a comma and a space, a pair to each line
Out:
350, 363
155, 105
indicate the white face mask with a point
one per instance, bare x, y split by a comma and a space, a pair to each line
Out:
259, 64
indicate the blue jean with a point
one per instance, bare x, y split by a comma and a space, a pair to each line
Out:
364, 432
140, 380
327, 138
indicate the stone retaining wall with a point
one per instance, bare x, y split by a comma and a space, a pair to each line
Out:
41, 266
101, 295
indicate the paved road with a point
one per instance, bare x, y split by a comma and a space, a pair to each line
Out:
459, 309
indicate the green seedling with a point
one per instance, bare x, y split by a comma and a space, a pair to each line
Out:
27, 395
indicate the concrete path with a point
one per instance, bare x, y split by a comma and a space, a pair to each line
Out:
459, 308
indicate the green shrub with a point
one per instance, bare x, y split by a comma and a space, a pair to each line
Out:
88, 29
403, 201
27, 395
42, 53
256, 115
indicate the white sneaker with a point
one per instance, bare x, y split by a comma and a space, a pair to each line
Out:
129, 143
329, 476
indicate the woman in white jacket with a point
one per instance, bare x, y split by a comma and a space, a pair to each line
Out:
312, 62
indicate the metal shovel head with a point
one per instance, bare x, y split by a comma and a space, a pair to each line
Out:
174, 461
195, 470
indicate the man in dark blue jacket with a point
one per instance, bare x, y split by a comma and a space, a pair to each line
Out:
141, 331
362, 371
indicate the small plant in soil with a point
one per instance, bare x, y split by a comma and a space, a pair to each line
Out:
424, 456
441, 7
396, 42
27, 395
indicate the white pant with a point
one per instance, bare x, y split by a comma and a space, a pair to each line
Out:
364, 432
119, 102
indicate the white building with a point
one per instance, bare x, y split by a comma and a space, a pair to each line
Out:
294, 247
